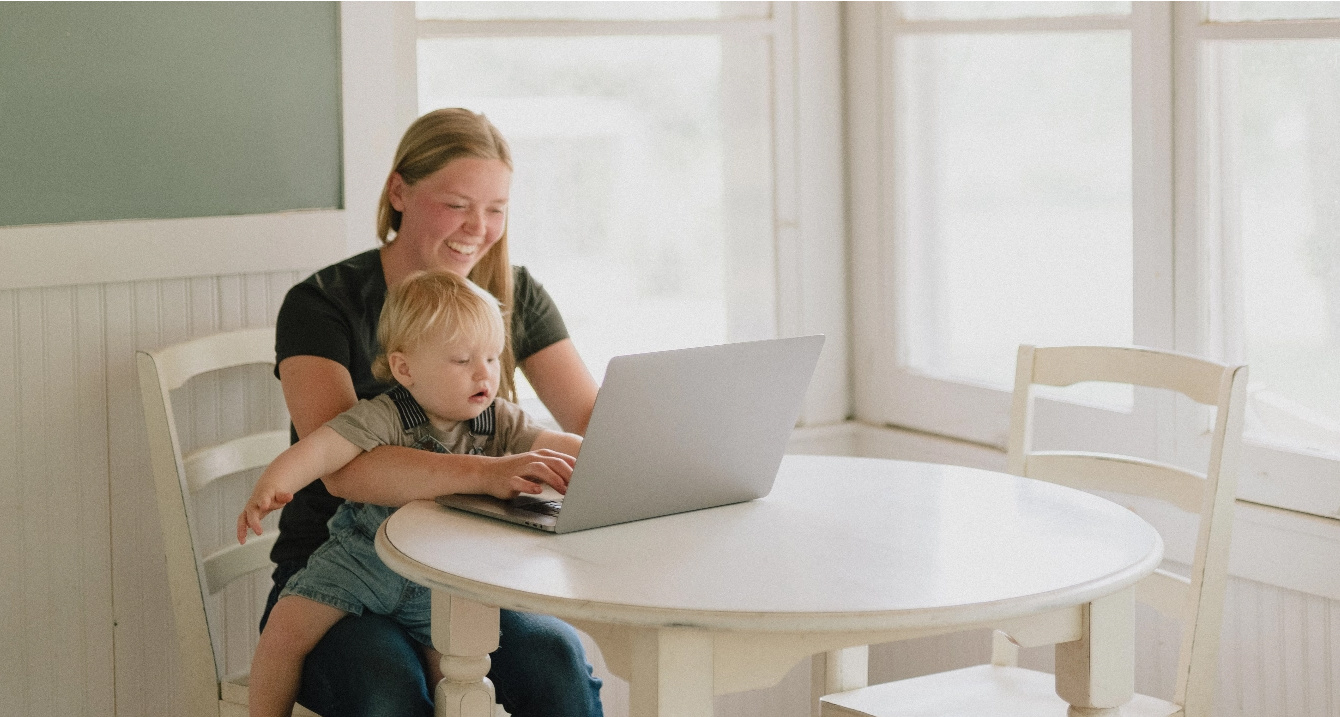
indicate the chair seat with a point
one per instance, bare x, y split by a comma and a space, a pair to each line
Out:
981, 691
233, 701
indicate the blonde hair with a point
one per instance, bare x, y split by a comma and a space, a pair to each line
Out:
428, 302
430, 144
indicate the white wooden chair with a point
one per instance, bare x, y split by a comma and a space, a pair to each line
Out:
177, 477
1002, 688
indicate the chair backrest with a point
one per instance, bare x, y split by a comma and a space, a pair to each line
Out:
193, 576
1196, 600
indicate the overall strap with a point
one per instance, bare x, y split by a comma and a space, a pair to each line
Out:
411, 413
485, 424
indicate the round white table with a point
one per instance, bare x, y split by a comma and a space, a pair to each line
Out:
844, 552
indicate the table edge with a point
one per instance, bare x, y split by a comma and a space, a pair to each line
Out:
647, 616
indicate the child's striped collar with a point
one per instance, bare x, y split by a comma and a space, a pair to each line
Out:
412, 414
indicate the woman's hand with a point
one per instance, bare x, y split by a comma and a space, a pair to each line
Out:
509, 476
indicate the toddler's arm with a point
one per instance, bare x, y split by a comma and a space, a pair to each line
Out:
567, 443
321, 453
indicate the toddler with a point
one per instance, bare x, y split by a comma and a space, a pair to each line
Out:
441, 337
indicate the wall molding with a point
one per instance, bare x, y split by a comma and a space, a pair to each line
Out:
1273, 546
379, 87
44, 255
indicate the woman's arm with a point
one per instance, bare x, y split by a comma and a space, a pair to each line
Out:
565, 443
317, 389
563, 384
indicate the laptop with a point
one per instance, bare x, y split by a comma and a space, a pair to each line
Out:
674, 431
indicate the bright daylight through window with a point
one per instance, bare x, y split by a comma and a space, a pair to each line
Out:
618, 200
1272, 109
1014, 176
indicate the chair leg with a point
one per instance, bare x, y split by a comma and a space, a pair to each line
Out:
1096, 674
1004, 650
838, 671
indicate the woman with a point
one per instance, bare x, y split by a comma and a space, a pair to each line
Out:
444, 207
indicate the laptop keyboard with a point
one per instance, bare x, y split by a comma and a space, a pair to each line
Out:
535, 505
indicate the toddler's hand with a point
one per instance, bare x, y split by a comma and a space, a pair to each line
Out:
261, 504
528, 473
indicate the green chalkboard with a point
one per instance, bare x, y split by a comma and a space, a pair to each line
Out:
161, 110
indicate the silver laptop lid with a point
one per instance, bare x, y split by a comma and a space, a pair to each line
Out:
681, 430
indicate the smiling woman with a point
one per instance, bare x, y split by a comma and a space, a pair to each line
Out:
443, 208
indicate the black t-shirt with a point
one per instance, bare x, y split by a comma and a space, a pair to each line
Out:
333, 314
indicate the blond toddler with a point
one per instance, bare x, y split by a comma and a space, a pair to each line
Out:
441, 338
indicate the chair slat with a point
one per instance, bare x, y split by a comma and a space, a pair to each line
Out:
180, 362
1164, 591
210, 463
234, 561
1118, 474
1195, 378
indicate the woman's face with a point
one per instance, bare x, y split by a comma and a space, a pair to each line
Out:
452, 217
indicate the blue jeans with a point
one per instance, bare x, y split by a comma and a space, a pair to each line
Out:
368, 666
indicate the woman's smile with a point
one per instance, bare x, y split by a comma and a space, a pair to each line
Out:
462, 249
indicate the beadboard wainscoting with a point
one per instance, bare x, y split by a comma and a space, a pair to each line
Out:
87, 621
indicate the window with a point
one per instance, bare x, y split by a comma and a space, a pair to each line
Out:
1268, 222
1014, 165
642, 138
1163, 174
1009, 150
1272, 168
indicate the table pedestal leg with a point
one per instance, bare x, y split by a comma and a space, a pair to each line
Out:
1096, 674
838, 671
465, 632
672, 673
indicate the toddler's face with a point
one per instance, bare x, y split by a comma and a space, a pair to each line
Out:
453, 381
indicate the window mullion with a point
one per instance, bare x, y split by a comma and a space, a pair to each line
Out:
1152, 199
1152, 172
1189, 336
1190, 299
868, 115
1078, 23
432, 29
1268, 30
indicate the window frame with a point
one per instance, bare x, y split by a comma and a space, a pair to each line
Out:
800, 245
1270, 474
891, 395
1170, 302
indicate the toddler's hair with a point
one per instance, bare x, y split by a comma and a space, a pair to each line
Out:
435, 301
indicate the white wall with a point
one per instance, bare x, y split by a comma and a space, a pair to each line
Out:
84, 619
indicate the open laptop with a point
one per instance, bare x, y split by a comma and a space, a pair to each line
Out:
674, 431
